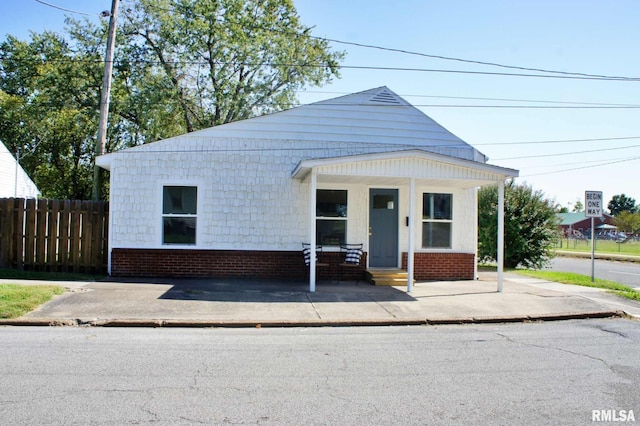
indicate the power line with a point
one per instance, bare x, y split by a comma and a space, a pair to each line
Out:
551, 166
566, 153
493, 64
478, 98
557, 141
523, 106
559, 74
447, 58
583, 167
465, 106
353, 67
65, 10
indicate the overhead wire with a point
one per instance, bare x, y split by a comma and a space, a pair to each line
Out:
581, 168
561, 74
434, 56
477, 98
66, 10
353, 67
567, 153
558, 141
553, 166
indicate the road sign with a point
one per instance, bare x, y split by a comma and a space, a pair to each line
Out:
593, 204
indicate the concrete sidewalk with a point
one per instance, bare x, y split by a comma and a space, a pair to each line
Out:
242, 303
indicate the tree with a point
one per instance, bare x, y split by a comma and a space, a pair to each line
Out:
530, 226
578, 206
180, 65
48, 101
621, 203
627, 221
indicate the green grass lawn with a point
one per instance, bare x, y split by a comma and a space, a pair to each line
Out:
17, 300
583, 280
602, 246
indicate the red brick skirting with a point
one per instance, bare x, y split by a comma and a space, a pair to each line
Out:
442, 266
288, 265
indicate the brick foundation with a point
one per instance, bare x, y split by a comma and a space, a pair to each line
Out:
287, 265
442, 266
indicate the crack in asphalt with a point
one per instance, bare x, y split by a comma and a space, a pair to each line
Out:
606, 330
604, 362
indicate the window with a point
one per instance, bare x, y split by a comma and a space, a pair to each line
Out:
436, 220
179, 214
383, 201
331, 217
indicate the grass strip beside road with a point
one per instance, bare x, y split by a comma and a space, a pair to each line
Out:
631, 248
17, 300
582, 280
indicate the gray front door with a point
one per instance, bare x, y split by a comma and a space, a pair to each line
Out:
383, 228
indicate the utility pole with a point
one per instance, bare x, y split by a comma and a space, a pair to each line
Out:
104, 99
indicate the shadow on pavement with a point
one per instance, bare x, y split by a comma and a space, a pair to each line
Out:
264, 291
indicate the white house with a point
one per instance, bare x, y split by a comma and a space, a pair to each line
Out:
14, 181
239, 199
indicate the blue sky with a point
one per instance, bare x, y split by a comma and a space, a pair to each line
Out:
586, 36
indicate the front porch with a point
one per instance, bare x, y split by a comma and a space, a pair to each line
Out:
414, 209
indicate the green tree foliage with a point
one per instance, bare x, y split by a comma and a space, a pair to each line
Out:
621, 203
627, 221
179, 66
578, 206
48, 108
530, 226
225, 60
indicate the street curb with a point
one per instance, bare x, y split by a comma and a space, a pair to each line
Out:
177, 323
600, 256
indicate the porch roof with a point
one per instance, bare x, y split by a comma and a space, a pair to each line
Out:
397, 167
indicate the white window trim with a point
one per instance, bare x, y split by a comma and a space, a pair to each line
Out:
451, 221
161, 215
345, 218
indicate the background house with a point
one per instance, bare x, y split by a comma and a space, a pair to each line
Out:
240, 198
14, 181
578, 225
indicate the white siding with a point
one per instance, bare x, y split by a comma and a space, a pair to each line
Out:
247, 199
14, 181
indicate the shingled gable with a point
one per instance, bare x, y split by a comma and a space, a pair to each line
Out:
370, 118
238, 199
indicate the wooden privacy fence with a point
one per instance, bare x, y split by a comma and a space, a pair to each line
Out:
54, 235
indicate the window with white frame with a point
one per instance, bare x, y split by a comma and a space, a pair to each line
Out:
437, 220
331, 217
179, 214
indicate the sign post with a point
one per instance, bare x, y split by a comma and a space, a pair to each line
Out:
593, 208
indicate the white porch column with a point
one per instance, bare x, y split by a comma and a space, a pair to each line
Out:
411, 250
475, 263
312, 230
500, 256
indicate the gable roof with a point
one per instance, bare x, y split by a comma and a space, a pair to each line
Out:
372, 117
14, 181
571, 218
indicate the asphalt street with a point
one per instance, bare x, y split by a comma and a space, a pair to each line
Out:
627, 273
491, 374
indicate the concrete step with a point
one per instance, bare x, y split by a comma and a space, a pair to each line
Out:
391, 277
